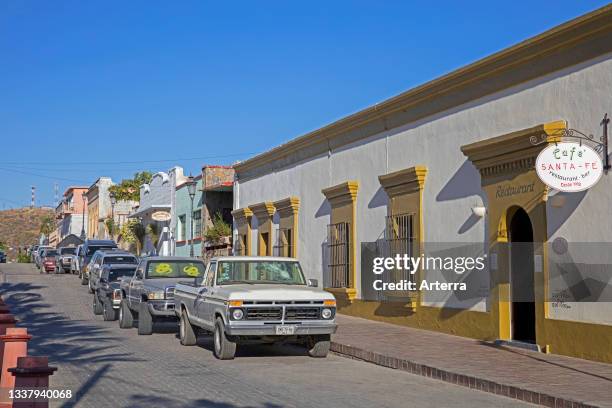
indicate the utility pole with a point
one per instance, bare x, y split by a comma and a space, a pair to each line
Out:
55, 194
33, 202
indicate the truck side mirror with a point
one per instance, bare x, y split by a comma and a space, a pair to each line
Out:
139, 275
313, 283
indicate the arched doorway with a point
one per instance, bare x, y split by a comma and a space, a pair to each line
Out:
520, 234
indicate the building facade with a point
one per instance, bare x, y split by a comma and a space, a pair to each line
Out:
214, 186
157, 201
98, 208
183, 216
71, 213
448, 168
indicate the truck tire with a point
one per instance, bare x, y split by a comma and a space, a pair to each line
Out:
224, 349
109, 313
186, 332
126, 318
145, 320
318, 345
97, 305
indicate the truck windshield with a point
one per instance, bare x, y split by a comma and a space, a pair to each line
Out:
174, 269
92, 249
67, 251
115, 274
262, 272
120, 259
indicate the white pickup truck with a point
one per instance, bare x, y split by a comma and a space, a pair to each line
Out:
255, 299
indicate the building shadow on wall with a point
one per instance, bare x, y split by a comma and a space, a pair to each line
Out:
463, 184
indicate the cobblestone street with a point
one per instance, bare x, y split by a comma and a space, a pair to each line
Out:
110, 367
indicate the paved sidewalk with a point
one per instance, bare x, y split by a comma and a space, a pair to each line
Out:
545, 379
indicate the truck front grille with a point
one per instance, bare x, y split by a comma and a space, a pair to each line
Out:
170, 292
302, 313
264, 313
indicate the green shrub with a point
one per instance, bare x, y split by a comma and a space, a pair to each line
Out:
23, 258
218, 230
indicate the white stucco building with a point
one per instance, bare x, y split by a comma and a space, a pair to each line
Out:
410, 171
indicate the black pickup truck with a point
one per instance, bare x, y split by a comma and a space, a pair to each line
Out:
107, 296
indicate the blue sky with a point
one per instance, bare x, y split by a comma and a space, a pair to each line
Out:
113, 87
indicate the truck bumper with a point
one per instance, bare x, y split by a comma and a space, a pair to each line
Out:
270, 329
161, 308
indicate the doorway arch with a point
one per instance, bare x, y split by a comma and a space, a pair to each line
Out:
522, 279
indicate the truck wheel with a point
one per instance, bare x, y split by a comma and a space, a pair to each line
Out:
97, 306
318, 345
224, 348
186, 331
126, 318
109, 314
145, 320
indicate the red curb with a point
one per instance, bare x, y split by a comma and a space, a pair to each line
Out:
480, 384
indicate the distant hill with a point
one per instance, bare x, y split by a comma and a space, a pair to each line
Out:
20, 227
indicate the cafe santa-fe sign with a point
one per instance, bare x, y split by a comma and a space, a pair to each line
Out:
569, 167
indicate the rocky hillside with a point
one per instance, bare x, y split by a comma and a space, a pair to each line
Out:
20, 227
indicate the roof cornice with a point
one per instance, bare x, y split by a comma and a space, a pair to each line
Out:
561, 38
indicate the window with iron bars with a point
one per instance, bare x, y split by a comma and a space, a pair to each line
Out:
338, 244
197, 223
399, 236
284, 243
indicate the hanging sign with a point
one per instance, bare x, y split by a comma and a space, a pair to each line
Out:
569, 167
161, 216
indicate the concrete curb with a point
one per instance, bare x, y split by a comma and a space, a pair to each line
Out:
480, 384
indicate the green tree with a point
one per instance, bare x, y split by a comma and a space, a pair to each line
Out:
129, 189
110, 227
133, 232
47, 225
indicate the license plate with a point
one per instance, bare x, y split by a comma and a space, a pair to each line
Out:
285, 330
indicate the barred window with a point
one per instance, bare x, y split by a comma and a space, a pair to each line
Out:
197, 223
284, 245
338, 243
399, 235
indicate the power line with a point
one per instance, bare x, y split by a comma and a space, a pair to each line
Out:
140, 161
44, 176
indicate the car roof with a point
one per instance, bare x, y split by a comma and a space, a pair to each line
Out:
120, 266
254, 258
115, 252
94, 242
172, 258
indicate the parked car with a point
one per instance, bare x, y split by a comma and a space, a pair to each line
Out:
107, 257
90, 246
255, 299
107, 296
38, 255
48, 260
64, 259
2, 257
32, 252
149, 294
74, 262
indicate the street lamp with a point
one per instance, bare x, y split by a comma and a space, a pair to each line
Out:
84, 196
113, 201
191, 188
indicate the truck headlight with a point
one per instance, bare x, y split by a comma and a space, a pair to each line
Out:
237, 314
326, 313
156, 295
117, 294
